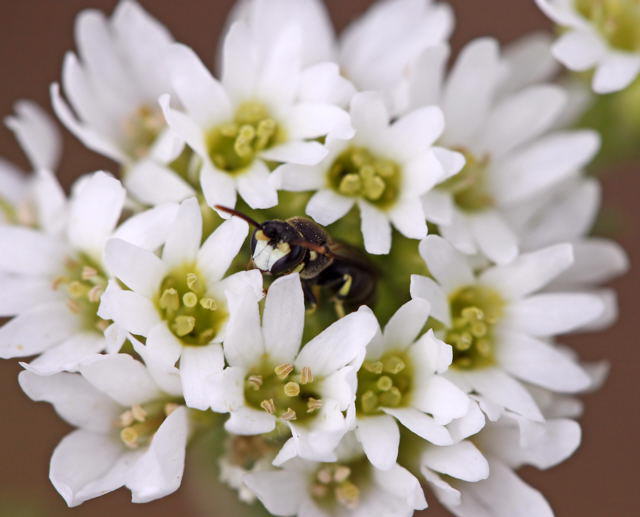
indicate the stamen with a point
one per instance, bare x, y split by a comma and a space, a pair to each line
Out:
190, 299
384, 383
393, 364
89, 272
184, 325
288, 415
169, 300
208, 303
269, 406
313, 405
138, 413
282, 371
306, 377
341, 473
292, 389
170, 407
95, 293
373, 366
192, 281
348, 495
255, 381
129, 437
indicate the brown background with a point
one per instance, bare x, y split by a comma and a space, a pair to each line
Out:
601, 480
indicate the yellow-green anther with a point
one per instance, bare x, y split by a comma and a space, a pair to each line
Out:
313, 405
255, 382
219, 161
208, 303
393, 364
369, 401
306, 376
184, 325
463, 344
190, 299
95, 293
479, 329
484, 347
129, 437
373, 366
169, 300
384, 383
242, 145
229, 130
266, 130
341, 473
348, 495
385, 169
77, 290
269, 406
282, 371
350, 185
374, 187
292, 389
289, 414
367, 172
89, 272
391, 398
472, 313
192, 281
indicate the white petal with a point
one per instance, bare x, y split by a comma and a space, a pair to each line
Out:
414, 132
130, 310
437, 207
399, 482
283, 318
596, 261
616, 72
578, 50
26, 251
452, 162
449, 267
95, 208
421, 424
185, 233
240, 61
139, 269
557, 313
520, 118
197, 364
256, 188
469, 424
339, 344
222, 246
428, 72
380, 438
502, 389
37, 134
309, 120
281, 66
537, 362
469, 89
405, 325
297, 151
408, 217
152, 183
69, 354
122, 378
323, 82
425, 288
218, 187
280, 491
203, 97
375, 228
529, 272
300, 177
243, 345
73, 398
494, 237
149, 228
369, 116
19, 293
81, 459
462, 461
183, 126
37, 329
158, 472
326, 207
248, 421
162, 345
458, 233
441, 398
432, 354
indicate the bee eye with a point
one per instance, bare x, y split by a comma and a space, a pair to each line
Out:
289, 262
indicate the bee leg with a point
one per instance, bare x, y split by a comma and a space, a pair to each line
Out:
338, 305
310, 300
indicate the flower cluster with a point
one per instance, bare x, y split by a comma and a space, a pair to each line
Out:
352, 261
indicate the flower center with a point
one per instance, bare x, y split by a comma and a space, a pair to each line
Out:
234, 145
193, 315
283, 392
475, 310
384, 383
139, 423
617, 20
141, 129
469, 186
84, 281
357, 172
340, 484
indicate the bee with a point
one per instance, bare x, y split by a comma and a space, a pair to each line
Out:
300, 245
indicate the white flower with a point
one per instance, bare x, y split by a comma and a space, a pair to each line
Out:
513, 152
181, 302
378, 50
53, 283
499, 328
508, 443
400, 380
115, 84
270, 381
132, 429
351, 486
384, 169
35, 200
600, 34
263, 110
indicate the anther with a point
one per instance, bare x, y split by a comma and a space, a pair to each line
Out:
306, 376
170, 407
190, 299
325, 476
393, 364
289, 415
391, 398
341, 473
313, 405
292, 389
88, 273
282, 371
208, 303
369, 401
138, 413
348, 495
384, 383
373, 366
95, 293
73, 306
350, 185
126, 419
169, 300
76, 289
192, 281
183, 325
269, 406
129, 437
255, 381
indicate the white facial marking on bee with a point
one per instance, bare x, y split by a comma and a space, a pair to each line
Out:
265, 255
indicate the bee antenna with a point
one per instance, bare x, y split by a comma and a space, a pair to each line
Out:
242, 216
319, 249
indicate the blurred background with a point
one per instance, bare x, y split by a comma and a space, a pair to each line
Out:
600, 480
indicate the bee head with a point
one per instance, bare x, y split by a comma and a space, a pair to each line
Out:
272, 248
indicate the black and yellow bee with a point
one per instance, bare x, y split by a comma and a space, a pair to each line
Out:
300, 245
